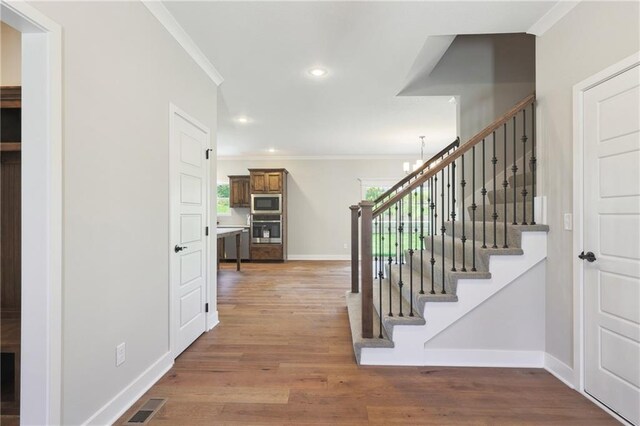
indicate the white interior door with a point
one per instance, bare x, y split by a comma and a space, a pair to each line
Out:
612, 233
188, 250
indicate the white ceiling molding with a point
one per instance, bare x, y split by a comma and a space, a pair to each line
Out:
311, 157
167, 20
549, 19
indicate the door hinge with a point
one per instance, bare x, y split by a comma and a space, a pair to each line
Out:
206, 307
207, 151
206, 230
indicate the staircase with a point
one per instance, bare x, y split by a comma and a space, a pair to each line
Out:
444, 240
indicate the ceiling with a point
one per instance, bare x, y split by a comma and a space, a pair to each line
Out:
371, 51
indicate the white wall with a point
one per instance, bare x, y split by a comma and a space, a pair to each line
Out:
120, 71
320, 193
593, 36
490, 73
10, 56
511, 320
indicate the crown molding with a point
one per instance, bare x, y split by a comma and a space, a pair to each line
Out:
172, 26
549, 19
314, 157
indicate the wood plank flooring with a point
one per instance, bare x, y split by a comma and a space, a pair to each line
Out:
282, 355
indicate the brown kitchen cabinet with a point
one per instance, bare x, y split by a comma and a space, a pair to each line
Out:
239, 193
267, 252
267, 181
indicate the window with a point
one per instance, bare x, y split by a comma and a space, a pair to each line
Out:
223, 199
373, 188
386, 227
373, 192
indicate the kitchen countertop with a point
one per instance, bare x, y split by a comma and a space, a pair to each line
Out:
234, 226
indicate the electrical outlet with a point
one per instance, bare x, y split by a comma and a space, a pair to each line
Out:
345, 246
120, 354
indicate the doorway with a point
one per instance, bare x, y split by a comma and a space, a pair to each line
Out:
40, 213
10, 222
189, 201
609, 262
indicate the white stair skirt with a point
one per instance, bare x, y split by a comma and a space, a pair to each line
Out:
409, 340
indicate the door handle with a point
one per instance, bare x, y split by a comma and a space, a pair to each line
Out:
178, 248
589, 257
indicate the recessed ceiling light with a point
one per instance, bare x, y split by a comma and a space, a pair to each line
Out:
242, 120
318, 72
271, 150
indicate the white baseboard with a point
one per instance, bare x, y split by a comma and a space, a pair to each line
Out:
483, 358
115, 408
212, 320
562, 371
319, 257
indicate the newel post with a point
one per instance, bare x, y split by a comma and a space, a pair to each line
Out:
366, 284
355, 211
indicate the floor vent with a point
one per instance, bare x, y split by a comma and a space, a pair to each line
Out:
148, 409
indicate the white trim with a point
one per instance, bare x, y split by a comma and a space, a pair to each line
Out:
212, 320
167, 20
578, 212
173, 329
483, 358
127, 397
552, 17
41, 340
402, 157
319, 257
559, 369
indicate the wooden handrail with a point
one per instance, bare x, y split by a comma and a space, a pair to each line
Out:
416, 172
456, 154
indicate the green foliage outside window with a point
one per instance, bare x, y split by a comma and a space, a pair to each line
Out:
223, 198
373, 193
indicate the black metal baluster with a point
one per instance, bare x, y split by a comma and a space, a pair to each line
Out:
442, 228
524, 167
532, 161
374, 247
473, 208
390, 262
448, 194
484, 198
494, 160
380, 273
434, 218
422, 237
514, 169
396, 228
453, 216
410, 216
505, 184
401, 242
463, 183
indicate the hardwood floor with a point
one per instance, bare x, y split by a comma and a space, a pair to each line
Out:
282, 355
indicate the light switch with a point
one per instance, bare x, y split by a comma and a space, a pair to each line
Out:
120, 354
568, 221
